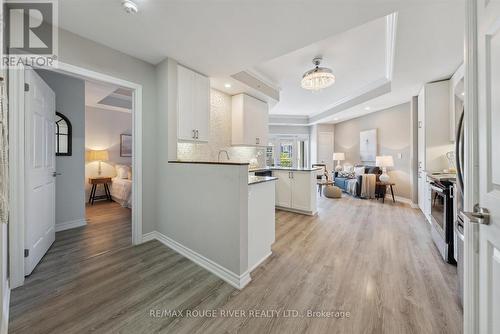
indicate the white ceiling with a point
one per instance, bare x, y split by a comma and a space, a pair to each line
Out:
218, 37
357, 58
429, 47
95, 92
221, 38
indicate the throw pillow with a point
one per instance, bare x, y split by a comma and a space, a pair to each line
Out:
122, 171
359, 170
347, 175
348, 168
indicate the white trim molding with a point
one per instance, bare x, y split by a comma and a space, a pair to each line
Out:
16, 161
238, 281
4, 325
374, 89
16, 177
471, 231
70, 224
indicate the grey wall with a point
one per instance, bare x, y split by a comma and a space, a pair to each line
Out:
70, 101
208, 211
78, 51
394, 136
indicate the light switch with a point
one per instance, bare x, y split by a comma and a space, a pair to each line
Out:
400, 156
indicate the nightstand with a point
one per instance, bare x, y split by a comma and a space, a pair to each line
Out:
94, 181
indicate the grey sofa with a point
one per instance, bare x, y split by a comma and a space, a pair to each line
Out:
341, 182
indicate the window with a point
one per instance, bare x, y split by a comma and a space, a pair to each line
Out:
288, 151
286, 154
63, 135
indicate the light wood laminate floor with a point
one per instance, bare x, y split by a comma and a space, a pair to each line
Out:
373, 260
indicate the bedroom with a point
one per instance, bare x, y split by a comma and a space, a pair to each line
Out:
93, 178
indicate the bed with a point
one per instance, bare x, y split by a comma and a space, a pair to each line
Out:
121, 186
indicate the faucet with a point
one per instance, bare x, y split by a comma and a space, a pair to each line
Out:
218, 156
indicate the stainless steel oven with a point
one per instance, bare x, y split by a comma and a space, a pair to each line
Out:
439, 208
442, 218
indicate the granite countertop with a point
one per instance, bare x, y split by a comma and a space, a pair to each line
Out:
260, 179
208, 162
442, 177
294, 169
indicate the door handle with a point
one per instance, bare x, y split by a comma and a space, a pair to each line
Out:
54, 174
479, 216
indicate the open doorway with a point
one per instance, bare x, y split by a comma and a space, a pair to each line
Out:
91, 194
108, 162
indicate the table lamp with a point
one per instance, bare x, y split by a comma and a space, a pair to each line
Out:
384, 161
98, 155
339, 157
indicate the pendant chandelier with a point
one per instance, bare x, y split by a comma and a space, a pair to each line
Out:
317, 78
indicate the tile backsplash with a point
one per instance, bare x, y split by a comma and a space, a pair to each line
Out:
220, 138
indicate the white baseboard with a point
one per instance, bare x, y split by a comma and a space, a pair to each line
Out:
259, 262
302, 212
238, 281
400, 199
70, 224
4, 325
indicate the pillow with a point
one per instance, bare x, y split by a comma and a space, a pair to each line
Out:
359, 170
348, 175
373, 170
129, 174
348, 168
122, 171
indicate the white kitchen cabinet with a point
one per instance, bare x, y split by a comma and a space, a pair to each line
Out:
250, 119
296, 190
301, 196
433, 135
193, 105
283, 189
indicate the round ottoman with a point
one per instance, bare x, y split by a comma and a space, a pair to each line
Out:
332, 192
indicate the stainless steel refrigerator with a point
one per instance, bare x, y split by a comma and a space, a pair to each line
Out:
458, 195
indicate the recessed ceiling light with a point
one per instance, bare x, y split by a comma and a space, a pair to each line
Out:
367, 108
463, 93
227, 85
130, 7
335, 119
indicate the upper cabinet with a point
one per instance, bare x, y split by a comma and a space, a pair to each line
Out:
433, 126
250, 118
193, 105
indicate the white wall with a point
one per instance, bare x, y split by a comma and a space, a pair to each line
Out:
82, 52
288, 130
70, 101
394, 137
103, 128
220, 137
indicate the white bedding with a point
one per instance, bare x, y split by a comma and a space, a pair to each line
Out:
121, 191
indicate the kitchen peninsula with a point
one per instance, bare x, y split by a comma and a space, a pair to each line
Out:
225, 217
295, 188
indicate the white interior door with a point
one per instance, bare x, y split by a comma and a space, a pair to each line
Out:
489, 163
39, 231
325, 149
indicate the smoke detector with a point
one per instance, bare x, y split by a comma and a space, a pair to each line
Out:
130, 7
